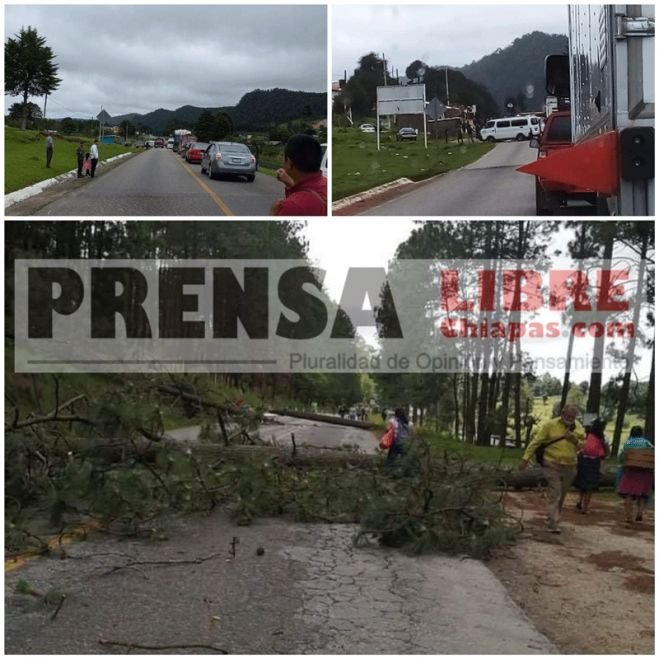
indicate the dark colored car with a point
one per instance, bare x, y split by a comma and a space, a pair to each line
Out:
228, 158
406, 134
550, 195
159, 143
196, 151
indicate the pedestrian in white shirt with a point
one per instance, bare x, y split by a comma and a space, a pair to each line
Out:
93, 152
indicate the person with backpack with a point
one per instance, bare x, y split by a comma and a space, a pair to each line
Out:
590, 458
635, 482
557, 441
402, 430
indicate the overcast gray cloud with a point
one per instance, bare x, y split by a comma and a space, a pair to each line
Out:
138, 58
452, 35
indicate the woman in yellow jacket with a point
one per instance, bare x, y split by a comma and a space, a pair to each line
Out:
562, 437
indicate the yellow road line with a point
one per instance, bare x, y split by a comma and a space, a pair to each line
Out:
214, 196
18, 560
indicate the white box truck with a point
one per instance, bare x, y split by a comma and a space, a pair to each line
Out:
611, 100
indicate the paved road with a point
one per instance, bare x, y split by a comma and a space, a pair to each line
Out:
311, 591
489, 186
278, 429
159, 182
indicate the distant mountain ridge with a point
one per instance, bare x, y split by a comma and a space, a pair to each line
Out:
256, 110
518, 71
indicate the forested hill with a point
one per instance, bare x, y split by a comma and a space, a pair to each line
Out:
260, 108
517, 71
257, 109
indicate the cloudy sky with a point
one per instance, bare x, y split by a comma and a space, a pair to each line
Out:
131, 58
452, 35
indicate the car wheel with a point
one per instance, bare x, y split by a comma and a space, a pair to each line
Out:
520, 137
490, 139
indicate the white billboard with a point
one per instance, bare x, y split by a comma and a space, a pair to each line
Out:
408, 99
403, 99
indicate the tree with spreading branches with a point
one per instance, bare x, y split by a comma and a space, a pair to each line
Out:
30, 69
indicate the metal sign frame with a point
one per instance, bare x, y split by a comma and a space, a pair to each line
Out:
391, 97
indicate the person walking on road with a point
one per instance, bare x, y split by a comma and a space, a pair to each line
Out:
306, 187
80, 155
402, 432
588, 466
49, 149
562, 437
635, 483
93, 152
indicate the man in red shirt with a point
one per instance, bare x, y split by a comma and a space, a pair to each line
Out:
306, 187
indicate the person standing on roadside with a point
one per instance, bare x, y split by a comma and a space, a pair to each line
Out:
402, 429
562, 437
80, 155
93, 153
588, 468
49, 149
635, 484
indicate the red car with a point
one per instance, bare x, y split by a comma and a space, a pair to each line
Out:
551, 195
195, 152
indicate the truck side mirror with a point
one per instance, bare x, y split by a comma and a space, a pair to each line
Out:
534, 143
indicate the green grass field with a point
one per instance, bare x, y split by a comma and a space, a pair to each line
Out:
25, 156
358, 165
544, 411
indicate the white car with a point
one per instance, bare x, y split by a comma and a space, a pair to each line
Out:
367, 128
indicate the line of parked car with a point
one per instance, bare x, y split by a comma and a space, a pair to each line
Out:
405, 133
220, 158
508, 128
235, 158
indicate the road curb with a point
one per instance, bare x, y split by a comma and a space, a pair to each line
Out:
344, 203
32, 190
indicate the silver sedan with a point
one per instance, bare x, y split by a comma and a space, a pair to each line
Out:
228, 158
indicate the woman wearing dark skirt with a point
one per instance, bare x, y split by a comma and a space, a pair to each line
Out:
588, 467
635, 484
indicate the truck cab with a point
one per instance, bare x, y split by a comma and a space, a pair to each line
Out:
551, 196
606, 80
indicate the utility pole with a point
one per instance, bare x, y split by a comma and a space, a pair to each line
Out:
448, 103
45, 101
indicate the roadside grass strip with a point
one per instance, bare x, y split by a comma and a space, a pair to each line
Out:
25, 157
359, 166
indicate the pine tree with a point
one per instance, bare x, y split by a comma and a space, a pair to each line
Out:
30, 69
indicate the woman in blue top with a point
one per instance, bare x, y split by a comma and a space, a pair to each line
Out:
635, 483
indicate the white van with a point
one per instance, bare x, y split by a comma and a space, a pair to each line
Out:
511, 128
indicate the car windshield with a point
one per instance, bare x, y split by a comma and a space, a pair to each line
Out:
489, 124
234, 148
560, 130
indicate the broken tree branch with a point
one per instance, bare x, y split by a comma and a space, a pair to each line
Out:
142, 646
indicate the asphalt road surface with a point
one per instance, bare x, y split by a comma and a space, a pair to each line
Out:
275, 587
489, 186
307, 590
159, 182
278, 429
